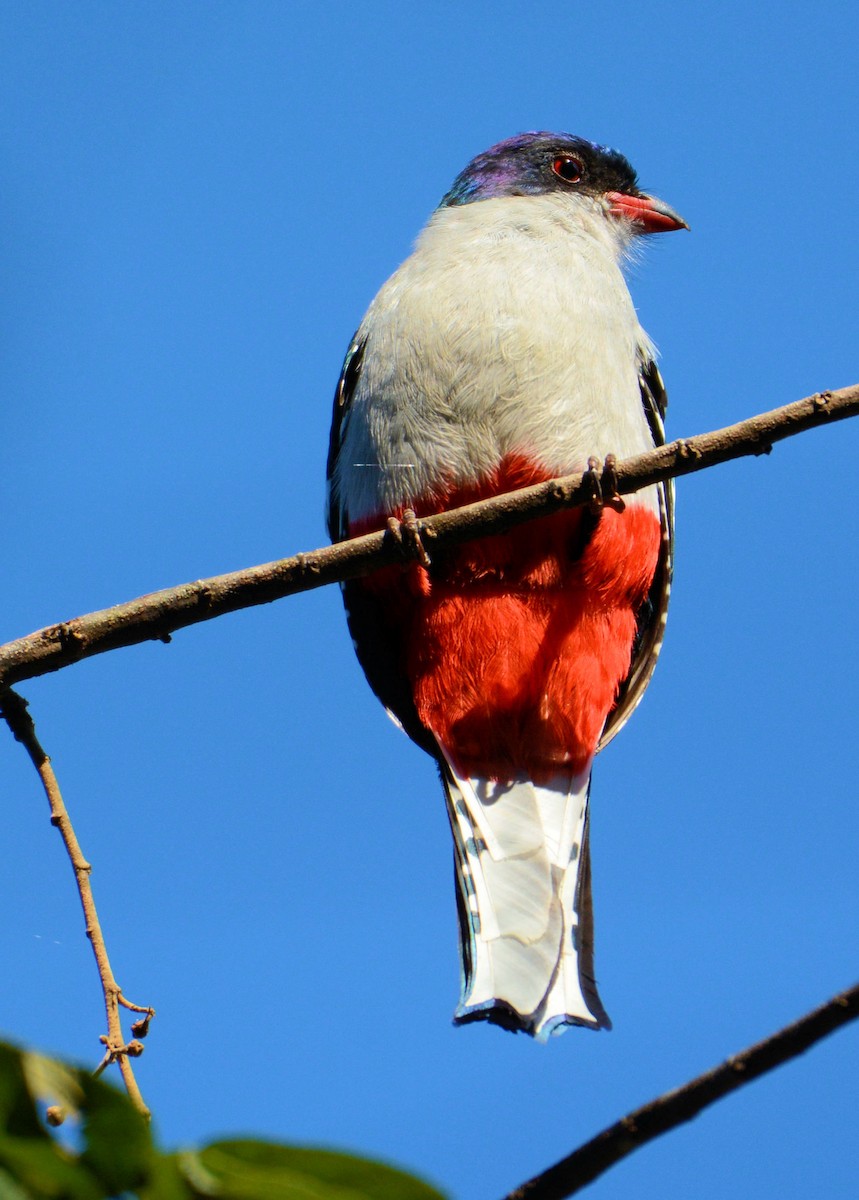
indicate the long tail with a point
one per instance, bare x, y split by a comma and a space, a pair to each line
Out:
524, 902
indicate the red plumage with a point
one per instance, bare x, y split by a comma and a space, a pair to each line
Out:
515, 646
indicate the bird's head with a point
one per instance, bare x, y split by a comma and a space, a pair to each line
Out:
537, 164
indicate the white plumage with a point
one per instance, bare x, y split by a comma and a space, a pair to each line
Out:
509, 326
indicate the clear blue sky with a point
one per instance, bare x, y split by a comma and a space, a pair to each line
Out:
198, 202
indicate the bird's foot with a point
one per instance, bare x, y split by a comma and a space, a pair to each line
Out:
407, 533
602, 485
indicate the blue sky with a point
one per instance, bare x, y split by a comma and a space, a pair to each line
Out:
198, 203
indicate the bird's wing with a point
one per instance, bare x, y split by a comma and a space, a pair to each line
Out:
378, 649
334, 513
653, 614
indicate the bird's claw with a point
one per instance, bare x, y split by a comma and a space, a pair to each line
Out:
602, 485
611, 496
406, 532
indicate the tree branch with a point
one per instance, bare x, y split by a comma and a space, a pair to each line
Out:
158, 615
14, 709
587, 1163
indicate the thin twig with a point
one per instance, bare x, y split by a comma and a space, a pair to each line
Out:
14, 709
158, 615
674, 1108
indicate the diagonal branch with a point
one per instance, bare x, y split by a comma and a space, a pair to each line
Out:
158, 615
13, 708
587, 1163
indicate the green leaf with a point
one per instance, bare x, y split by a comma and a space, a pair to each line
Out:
117, 1149
118, 1157
46, 1172
9, 1189
18, 1113
117, 1142
167, 1181
253, 1170
29, 1158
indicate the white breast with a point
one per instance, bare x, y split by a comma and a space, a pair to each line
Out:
510, 329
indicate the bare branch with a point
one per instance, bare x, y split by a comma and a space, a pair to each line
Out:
587, 1163
158, 615
14, 709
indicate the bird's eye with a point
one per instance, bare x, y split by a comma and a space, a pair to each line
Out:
569, 169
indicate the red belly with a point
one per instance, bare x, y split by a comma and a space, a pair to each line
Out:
515, 646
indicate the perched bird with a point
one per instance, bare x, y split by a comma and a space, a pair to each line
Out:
505, 351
